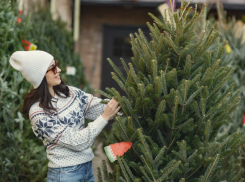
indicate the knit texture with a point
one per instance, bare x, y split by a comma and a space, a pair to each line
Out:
67, 141
33, 65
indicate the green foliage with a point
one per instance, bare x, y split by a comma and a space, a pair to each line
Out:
22, 154
229, 30
174, 108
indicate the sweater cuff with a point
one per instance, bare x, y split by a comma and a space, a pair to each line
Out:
100, 123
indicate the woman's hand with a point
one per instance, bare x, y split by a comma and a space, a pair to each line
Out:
111, 109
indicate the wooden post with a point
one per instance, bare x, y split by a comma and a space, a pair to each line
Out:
53, 9
20, 7
76, 20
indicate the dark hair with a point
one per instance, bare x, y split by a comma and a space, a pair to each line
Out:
43, 96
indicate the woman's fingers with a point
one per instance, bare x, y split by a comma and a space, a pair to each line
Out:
118, 109
111, 109
114, 103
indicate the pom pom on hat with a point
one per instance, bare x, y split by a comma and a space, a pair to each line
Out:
116, 149
33, 65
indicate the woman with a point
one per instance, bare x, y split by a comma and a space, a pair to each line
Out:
57, 113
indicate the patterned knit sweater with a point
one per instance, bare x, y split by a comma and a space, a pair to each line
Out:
67, 141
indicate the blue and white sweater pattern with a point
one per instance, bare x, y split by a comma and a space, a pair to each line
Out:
64, 134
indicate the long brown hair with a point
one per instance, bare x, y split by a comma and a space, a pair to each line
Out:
43, 96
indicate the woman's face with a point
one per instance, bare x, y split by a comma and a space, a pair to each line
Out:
53, 79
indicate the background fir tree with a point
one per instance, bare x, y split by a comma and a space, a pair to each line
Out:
230, 30
234, 56
173, 108
20, 157
22, 154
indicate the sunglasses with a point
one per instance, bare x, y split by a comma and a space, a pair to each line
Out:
54, 68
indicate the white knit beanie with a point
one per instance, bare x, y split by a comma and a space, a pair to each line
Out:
33, 65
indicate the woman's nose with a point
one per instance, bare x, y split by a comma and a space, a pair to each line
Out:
58, 69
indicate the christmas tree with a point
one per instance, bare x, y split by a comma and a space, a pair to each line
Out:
173, 109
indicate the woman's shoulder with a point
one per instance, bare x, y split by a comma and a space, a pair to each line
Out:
73, 88
76, 90
81, 94
35, 109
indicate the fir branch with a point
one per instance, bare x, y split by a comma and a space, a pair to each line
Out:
160, 44
198, 45
117, 70
145, 145
103, 93
105, 170
169, 168
149, 168
184, 124
175, 111
188, 64
120, 133
205, 76
123, 129
136, 63
203, 106
197, 110
164, 83
111, 92
145, 174
170, 74
123, 169
119, 82
183, 150
134, 136
128, 169
148, 89
133, 73
183, 8
164, 143
158, 86
184, 95
154, 68
161, 25
108, 138
160, 109
143, 39
227, 110
168, 40
99, 175
211, 167
194, 95
159, 155
207, 131
117, 173
192, 157
221, 83
124, 65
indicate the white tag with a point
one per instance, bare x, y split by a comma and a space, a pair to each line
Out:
70, 70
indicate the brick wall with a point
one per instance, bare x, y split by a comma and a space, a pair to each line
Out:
90, 41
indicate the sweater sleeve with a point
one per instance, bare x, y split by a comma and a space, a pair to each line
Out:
52, 132
93, 106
